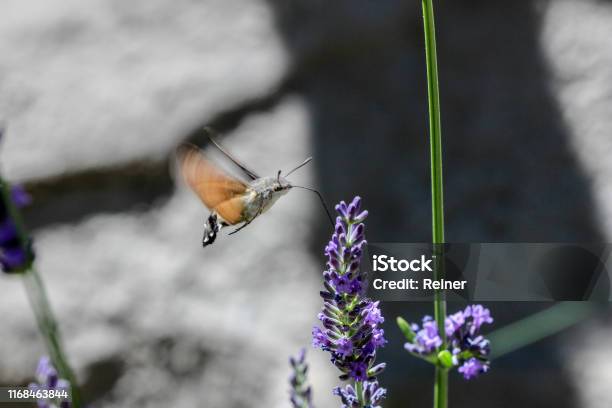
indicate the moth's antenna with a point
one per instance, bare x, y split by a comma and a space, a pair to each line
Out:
308, 159
320, 198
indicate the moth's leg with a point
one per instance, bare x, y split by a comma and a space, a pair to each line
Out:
242, 226
259, 211
211, 228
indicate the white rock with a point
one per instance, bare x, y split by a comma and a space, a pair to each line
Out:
576, 41
95, 83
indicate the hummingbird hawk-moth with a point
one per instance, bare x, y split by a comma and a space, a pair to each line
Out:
232, 201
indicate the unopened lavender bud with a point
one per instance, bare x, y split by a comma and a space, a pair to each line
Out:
342, 209
340, 229
326, 295
445, 358
405, 329
361, 216
332, 334
357, 233
377, 369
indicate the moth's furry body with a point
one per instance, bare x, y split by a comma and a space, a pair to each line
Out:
262, 194
258, 197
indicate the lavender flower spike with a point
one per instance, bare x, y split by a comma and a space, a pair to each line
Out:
350, 322
301, 393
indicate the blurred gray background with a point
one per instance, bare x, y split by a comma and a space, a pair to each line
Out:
95, 96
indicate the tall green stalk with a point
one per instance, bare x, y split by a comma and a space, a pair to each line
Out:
39, 302
437, 191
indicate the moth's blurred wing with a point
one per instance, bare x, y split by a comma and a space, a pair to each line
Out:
209, 182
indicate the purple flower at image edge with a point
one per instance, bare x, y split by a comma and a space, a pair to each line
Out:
47, 379
350, 321
20, 196
15, 255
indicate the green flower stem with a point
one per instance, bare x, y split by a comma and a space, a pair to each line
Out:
437, 193
359, 392
441, 387
47, 326
37, 296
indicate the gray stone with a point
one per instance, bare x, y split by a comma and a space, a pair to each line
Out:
104, 82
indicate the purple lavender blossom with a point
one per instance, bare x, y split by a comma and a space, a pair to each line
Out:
454, 322
427, 339
479, 315
372, 394
47, 379
344, 346
20, 196
301, 393
469, 349
371, 314
15, 255
350, 322
473, 368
